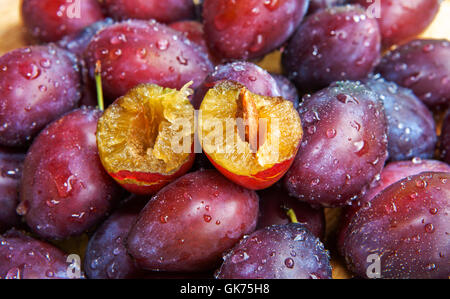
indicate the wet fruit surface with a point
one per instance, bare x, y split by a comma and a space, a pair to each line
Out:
344, 147
163, 11
277, 252
146, 137
38, 84
65, 190
340, 43
22, 257
11, 162
420, 65
134, 52
411, 127
445, 139
246, 29
189, 223
274, 205
250, 139
50, 20
106, 255
287, 89
406, 227
401, 20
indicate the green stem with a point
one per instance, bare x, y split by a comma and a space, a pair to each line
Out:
98, 83
292, 216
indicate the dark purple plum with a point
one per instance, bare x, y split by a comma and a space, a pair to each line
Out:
189, 224
38, 84
134, 52
106, 255
248, 29
315, 5
445, 139
406, 226
51, 20
339, 43
421, 66
344, 147
22, 257
401, 20
277, 252
165, 11
253, 77
411, 126
287, 89
274, 204
65, 189
11, 162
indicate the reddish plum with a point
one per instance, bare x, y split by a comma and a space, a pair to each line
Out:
287, 89
445, 139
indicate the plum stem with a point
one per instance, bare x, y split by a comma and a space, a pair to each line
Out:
291, 214
98, 82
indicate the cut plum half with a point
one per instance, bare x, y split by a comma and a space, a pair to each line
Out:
146, 137
249, 138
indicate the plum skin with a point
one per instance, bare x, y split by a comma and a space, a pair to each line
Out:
65, 189
344, 147
188, 224
22, 257
406, 225
339, 43
38, 84
277, 252
445, 139
145, 52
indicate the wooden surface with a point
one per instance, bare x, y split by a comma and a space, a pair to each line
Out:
12, 35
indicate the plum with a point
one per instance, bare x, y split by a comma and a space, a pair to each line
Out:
22, 257
166, 11
277, 252
422, 66
406, 227
134, 52
445, 139
253, 77
38, 84
106, 255
51, 20
248, 29
401, 20
189, 224
11, 162
344, 147
411, 126
315, 5
339, 43
274, 204
288, 90
65, 189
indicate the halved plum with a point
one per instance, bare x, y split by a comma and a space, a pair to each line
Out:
251, 139
145, 138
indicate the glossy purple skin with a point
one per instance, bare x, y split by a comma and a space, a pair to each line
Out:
256, 79
402, 20
315, 5
189, 224
134, 52
344, 147
22, 257
106, 255
165, 11
51, 20
411, 126
445, 139
422, 66
274, 204
11, 162
65, 189
287, 89
248, 29
392, 173
339, 43
407, 226
36, 90
277, 252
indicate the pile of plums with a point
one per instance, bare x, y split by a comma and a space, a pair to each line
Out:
357, 121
